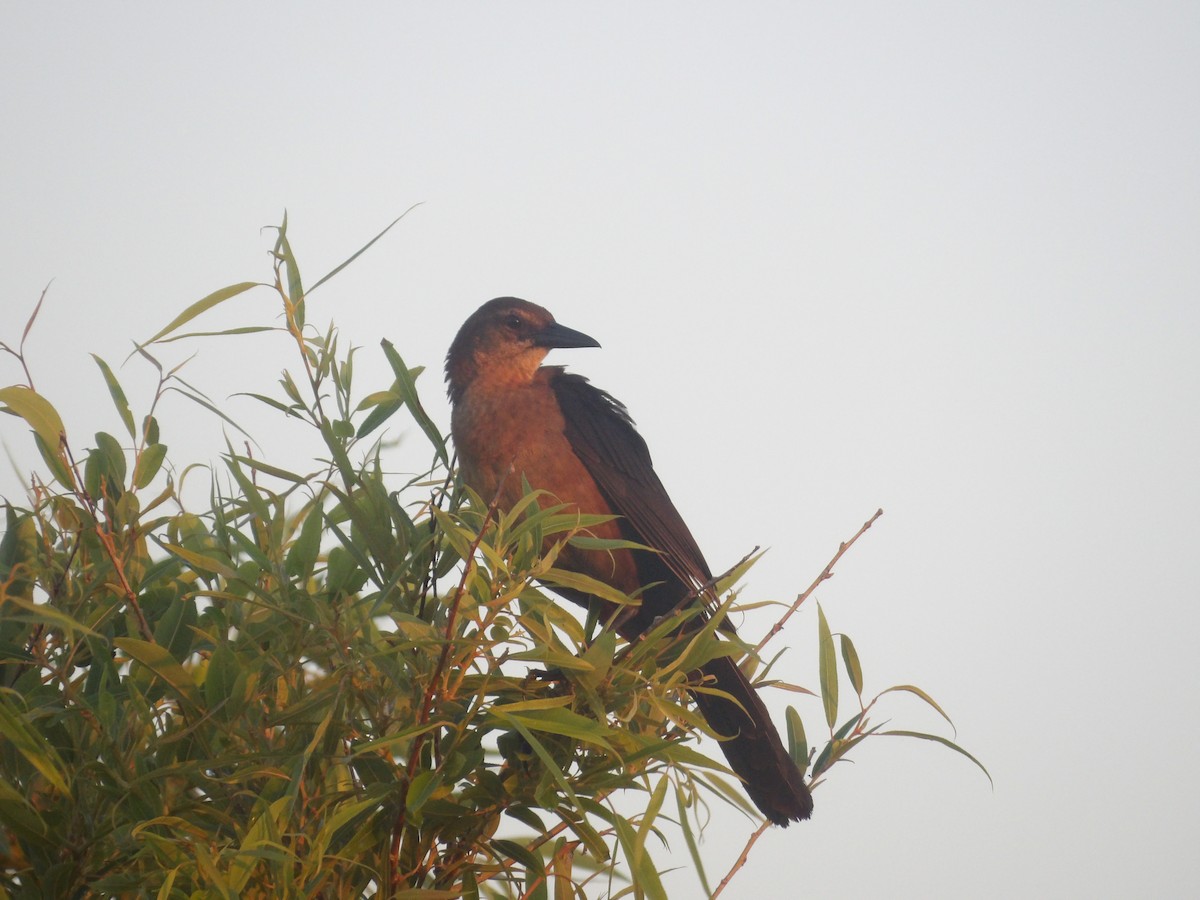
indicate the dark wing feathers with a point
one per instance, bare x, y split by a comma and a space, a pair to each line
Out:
602, 435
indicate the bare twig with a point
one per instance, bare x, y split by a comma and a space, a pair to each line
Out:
825, 575
741, 860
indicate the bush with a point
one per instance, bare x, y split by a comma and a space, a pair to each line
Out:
320, 685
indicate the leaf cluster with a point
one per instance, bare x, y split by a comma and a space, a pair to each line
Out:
331, 683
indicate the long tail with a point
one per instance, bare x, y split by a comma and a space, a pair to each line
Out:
753, 748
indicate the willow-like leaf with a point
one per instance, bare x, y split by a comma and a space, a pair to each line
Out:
200, 306
827, 663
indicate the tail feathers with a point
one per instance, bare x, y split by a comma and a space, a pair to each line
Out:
753, 747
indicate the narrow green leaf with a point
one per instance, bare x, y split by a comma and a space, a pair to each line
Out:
55, 461
730, 581
283, 247
31, 744
263, 833
164, 891
848, 726
44, 612
302, 555
197, 398
159, 661
584, 542
648, 817
36, 410
585, 584
267, 469
175, 628
383, 411
33, 316
406, 387
946, 742
206, 565
562, 862
797, 740
245, 329
22, 819
421, 789
118, 395
552, 766
645, 875
535, 870
853, 667
271, 402
337, 449
913, 689
827, 661
202, 305
320, 281
685, 822
376, 398
348, 812
556, 721
250, 492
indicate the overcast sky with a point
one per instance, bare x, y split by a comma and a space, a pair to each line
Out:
942, 259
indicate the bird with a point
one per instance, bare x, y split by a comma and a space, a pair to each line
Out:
515, 421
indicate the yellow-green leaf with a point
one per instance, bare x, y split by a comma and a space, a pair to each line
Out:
945, 742
159, 661
31, 744
853, 667
324, 278
797, 740
913, 689
36, 410
202, 305
118, 395
148, 464
204, 564
827, 661
406, 387
585, 584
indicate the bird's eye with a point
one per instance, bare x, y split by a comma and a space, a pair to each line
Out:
514, 322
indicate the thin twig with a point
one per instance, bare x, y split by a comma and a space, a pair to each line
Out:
427, 701
741, 860
19, 353
825, 575
106, 540
455, 603
535, 843
429, 582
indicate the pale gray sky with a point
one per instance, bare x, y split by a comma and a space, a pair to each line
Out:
942, 258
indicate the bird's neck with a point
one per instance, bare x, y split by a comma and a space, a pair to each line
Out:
491, 374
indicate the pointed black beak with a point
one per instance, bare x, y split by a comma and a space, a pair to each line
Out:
560, 336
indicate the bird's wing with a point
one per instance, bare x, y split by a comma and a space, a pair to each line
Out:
602, 435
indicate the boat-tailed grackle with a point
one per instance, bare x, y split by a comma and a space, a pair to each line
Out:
513, 417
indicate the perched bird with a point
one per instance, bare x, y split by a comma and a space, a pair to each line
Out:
513, 417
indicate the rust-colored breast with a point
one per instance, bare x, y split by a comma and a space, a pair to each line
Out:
505, 431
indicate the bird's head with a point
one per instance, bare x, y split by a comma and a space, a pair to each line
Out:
505, 341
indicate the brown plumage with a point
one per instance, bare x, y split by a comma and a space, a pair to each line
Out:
514, 417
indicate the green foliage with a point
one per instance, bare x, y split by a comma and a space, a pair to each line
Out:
319, 685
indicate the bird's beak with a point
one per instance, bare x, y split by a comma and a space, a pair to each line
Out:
555, 335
